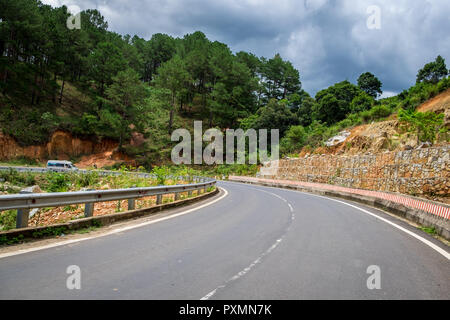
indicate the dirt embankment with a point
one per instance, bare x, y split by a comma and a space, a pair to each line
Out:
385, 135
63, 146
439, 104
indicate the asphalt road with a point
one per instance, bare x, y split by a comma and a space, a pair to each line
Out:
255, 243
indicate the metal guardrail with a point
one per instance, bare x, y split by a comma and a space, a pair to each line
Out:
82, 171
25, 201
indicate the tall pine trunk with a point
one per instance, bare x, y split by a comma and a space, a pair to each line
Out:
172, 110
62, 89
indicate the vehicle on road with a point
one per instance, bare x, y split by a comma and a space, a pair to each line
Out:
61, 165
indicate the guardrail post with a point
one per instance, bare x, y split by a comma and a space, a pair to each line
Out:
177, 196
190, 193
132, 202
204, 189
159, 199
89, 207
22, 215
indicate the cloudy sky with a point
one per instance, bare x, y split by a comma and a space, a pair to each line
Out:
327, 40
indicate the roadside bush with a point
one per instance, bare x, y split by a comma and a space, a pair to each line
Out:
294, 140
355, 119
18, 178
234, 169
443, 85
432, 92
366, 116
379, 112
57, 182
27, 126
361, 102
8, 219
425, 124
23, 161
87, 179
348, 122
161, 174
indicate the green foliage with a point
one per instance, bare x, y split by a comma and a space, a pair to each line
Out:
433, 71
294, 140
232, 169
89, 124
424, 124
333, 103
361, 102
61, 182
8, 219
429, 230
104, 63
120, 85
380, 112
26, 125
161, 174
49, 231
11, 240
305, 109
443, 85
280, 78
88, 179
126, 95
96, 223
275, 115
57, 182
249, 122
22, 179
370, 84
172, 75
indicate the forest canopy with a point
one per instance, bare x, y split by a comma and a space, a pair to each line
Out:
97, 83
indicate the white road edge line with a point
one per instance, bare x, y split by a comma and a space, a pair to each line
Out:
425, 241
118, 230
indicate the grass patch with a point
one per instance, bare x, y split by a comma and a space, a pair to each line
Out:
22, 161
9, 241
8, 219
86, 230
50, 232
431, 231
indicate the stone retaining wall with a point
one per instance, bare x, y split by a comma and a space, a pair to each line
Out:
418, 172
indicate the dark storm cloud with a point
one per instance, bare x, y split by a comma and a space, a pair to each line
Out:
328, 41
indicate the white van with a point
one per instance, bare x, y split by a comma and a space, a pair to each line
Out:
60, 165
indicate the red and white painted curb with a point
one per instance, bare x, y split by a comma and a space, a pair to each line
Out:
435, 209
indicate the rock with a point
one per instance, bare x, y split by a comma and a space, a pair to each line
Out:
424, 145
407, 147
337, 139
33, 189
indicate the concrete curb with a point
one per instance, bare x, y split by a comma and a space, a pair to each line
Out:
441, 225
44, 231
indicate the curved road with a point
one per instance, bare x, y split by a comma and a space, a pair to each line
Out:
254, 243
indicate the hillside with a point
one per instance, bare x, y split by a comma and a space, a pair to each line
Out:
387, 135
383, 135
100, 98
